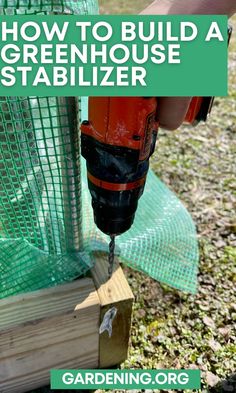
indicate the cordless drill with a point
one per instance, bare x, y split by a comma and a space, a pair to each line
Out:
117, 143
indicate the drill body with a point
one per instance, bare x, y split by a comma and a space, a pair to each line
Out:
117, 143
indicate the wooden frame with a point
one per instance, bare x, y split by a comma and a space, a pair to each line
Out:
59, 328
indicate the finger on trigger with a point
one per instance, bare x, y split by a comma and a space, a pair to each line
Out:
172, 111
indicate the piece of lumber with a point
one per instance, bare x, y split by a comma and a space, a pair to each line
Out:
114, 292
59, 328
50, 328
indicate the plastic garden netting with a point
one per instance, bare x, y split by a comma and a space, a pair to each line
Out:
80, 7
47, 233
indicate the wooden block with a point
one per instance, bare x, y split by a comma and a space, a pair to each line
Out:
114, 292
59, 328
50, 328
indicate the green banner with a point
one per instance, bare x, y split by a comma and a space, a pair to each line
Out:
71, 55
125, 379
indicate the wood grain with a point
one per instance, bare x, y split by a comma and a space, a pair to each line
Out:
52, 328
114, 292
59, 328
44, 303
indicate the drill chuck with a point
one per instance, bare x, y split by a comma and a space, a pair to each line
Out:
114, 211
116, 180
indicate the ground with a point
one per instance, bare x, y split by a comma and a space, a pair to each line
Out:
171, 329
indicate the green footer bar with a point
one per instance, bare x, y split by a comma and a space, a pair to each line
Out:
125, 379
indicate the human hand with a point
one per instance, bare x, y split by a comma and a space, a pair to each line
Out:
172, 110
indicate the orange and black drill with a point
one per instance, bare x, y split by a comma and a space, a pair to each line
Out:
117, 143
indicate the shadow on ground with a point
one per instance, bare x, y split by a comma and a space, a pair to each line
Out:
227, 385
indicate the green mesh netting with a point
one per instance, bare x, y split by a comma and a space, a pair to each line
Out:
82, 7
47, 234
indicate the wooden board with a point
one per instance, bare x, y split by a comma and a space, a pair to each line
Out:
114, 292
51, 328
59, 328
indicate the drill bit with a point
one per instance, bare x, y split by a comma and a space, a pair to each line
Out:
111, 256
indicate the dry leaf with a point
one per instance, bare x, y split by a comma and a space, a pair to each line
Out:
209, 322
211, 379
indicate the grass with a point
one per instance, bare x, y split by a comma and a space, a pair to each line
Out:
123, 6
